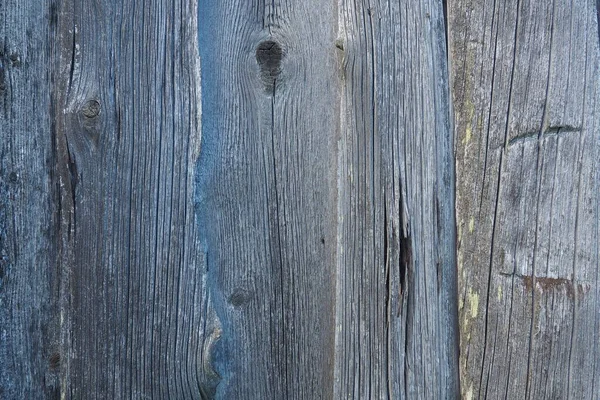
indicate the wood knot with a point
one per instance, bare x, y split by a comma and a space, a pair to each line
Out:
54, 361
91, 109
15, 60
240, 297
268, 56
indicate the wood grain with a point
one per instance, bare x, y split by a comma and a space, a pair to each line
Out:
267, 193
396, 333
28, 270
276, 223
126, 102
525, 89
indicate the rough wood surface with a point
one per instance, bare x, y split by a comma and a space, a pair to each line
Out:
396, 294
267, 193
526, 90
28, 307
276, 224
126, 100
326, 175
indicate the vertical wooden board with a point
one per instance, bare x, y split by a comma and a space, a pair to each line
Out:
396, 330
28, 320
135, 318
266, 193
525, 80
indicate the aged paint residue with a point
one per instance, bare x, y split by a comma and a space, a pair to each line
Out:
471, 224
459, 260
466, 329
473, 302
468, 134
544, 284
499, 293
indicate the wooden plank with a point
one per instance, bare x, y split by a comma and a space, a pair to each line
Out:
126, 105
266, 191
525, 90
396, 333
28, 301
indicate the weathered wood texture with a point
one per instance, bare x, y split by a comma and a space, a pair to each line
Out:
526, 90
126, 100
266, 190
326, 175
28, 290
293, 239
396, 295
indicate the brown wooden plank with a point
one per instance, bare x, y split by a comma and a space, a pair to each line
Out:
525, 90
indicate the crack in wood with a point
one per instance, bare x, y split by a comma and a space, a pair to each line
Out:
550, 131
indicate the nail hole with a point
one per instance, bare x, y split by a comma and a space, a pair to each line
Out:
15, 60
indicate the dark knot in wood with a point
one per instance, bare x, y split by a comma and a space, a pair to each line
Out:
54, 361
240, 297
268, 56
91, 109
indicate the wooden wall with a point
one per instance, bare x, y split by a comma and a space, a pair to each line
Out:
251, 199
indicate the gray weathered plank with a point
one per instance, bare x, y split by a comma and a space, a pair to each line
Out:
396, 334
266, 190
28, 284
126, 102
525, 88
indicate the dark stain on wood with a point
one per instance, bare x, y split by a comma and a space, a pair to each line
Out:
598, 18
2, 76
552, 130
240, 297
